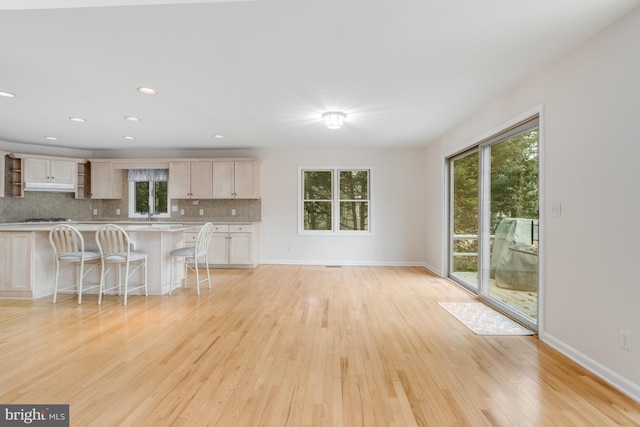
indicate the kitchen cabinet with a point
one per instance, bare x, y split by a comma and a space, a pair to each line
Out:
49, 175
236, 179
32, 172
106, 182
190, 180
16, 265
231, 245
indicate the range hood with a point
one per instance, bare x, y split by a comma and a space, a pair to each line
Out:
61, 187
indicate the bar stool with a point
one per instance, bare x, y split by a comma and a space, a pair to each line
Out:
68, 247
115, 250
199, 250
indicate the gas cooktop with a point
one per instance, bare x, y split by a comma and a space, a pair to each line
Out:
47, 220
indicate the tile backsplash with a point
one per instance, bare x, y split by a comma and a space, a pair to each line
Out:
64, 205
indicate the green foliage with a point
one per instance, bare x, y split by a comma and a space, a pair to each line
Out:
514, 178
465, 191
318, 199
318, 204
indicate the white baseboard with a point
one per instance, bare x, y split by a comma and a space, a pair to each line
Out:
616, 380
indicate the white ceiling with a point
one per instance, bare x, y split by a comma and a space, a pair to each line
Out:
262, 72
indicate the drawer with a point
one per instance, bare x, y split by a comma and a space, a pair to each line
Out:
221, 228
243, 228
190, 236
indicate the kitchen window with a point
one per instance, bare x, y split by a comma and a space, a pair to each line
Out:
148, 193
334, 201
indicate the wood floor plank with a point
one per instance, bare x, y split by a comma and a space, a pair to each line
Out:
292, 346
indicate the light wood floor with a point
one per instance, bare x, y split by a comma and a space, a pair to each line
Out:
292, 346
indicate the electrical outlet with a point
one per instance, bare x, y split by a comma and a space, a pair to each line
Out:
174, 208
201, 212
625, 340
118, 212
95, 211
556, 209
233, 212
181, 211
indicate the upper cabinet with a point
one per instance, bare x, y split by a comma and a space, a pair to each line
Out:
236, 179
32, 172
190, 180
49, 175
106, 181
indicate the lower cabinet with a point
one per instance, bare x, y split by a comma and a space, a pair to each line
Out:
231, 244
16, 266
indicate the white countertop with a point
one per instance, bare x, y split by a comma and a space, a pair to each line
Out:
92, 226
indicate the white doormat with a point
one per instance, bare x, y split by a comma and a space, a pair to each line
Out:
484, 320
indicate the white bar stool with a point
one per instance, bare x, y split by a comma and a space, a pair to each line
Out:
68, 247
115, 250
199, 250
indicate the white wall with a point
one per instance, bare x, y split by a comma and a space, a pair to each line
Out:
591, 164
397, 200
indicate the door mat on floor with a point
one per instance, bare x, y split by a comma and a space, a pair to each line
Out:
484, 320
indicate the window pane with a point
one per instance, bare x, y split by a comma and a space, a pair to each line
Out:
354, 185
464, 217
142, 197
317, 215
161, 197
354, 215
317, 185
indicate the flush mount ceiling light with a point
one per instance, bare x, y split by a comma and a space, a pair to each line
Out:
129, 137
132, 119
7, 94
334, 119
50, 138
147, 90
218, 136
77, 119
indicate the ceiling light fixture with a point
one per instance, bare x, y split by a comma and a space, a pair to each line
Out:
51, 138
7, 94
334, 119
218, 136
147, 90
129, 137
77, 119
132, 119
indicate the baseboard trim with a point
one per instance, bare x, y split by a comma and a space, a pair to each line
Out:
614, 379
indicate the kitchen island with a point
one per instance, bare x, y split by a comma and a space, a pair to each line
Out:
27, 264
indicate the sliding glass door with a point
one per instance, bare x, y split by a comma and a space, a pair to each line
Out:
493, 241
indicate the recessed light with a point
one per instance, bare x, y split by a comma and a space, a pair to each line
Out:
7, 94
218, 136
132, 119
51, 138
147, 90
77, 119
129, 137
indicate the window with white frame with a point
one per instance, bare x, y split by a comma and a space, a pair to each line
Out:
335, 201
148, 193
